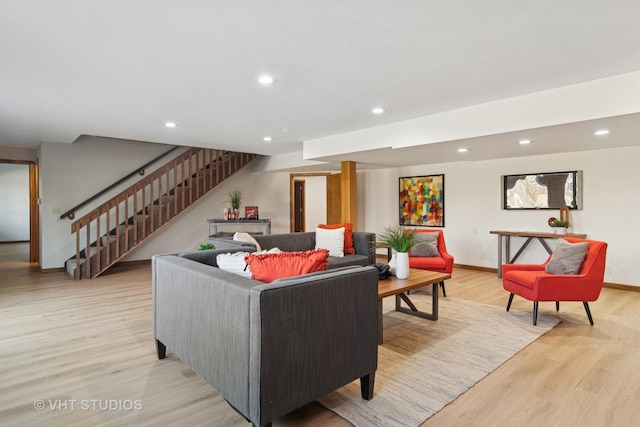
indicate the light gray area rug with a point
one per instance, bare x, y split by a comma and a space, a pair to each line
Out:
424, 365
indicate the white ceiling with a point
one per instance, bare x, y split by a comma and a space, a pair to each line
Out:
122, 68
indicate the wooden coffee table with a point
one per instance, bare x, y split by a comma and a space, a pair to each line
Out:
399, 287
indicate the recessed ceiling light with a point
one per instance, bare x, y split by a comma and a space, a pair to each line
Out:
170, 124
601, 132
462, 150
266, 80
378, 110
267, 139
524, 141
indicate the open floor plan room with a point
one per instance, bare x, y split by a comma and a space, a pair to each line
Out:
69, 347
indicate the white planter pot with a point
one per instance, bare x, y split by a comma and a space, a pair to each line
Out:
560, 230
402, 265
392, 264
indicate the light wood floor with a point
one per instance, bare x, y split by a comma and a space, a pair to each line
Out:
66, 341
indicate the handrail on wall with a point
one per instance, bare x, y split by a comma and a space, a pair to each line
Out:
141, 171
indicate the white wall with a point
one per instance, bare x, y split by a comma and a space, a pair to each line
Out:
315, 201
14, 202
473, 205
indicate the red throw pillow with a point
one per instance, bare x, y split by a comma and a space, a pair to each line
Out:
269, 267
348, 236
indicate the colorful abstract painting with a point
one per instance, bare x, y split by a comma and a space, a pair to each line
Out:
422, 200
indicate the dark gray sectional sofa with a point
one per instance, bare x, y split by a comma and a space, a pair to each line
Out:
268, 349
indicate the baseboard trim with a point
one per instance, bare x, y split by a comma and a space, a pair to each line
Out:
52, 270
477, 268
619, 286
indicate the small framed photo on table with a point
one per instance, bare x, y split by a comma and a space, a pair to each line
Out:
251, 212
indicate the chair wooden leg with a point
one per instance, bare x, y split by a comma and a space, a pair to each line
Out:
535, 313
586, 307
510, 301
444, 293
557, 305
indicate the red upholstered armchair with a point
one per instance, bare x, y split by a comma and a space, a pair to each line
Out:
532, 282
442, 264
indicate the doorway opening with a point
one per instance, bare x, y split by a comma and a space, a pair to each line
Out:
308, 200
20, 211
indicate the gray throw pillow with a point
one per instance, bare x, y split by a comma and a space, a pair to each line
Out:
428, 246
567, 257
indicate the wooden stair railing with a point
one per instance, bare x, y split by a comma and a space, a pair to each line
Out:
115, 228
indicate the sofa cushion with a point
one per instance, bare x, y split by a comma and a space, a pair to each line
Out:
523, 277
332, 240
348, 235
234, 263
428, 263
268, 267
567, 257
246, 238
336, 262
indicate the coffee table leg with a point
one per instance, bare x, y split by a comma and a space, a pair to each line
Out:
413, 310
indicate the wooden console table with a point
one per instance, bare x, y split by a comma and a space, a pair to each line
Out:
213, 224
530, 235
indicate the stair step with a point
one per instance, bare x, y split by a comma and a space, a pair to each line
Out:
108, 239
70, 265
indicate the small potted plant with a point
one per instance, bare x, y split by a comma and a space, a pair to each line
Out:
235, 199
205, 246
400, 240
559, 226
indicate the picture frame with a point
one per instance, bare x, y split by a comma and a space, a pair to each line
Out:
421, 201
542, 190
251, 212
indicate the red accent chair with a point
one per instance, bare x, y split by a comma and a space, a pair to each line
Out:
532, 282
441, 264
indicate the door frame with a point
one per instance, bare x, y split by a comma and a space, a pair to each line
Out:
34, 207
292, 178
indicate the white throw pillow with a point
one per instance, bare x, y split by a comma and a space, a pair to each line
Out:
332, 240
234, 263
247, 238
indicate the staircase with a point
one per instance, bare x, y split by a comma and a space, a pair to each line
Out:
115, 228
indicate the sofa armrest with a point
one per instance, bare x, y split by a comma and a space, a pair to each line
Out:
311, 336
201, 314
365, 244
